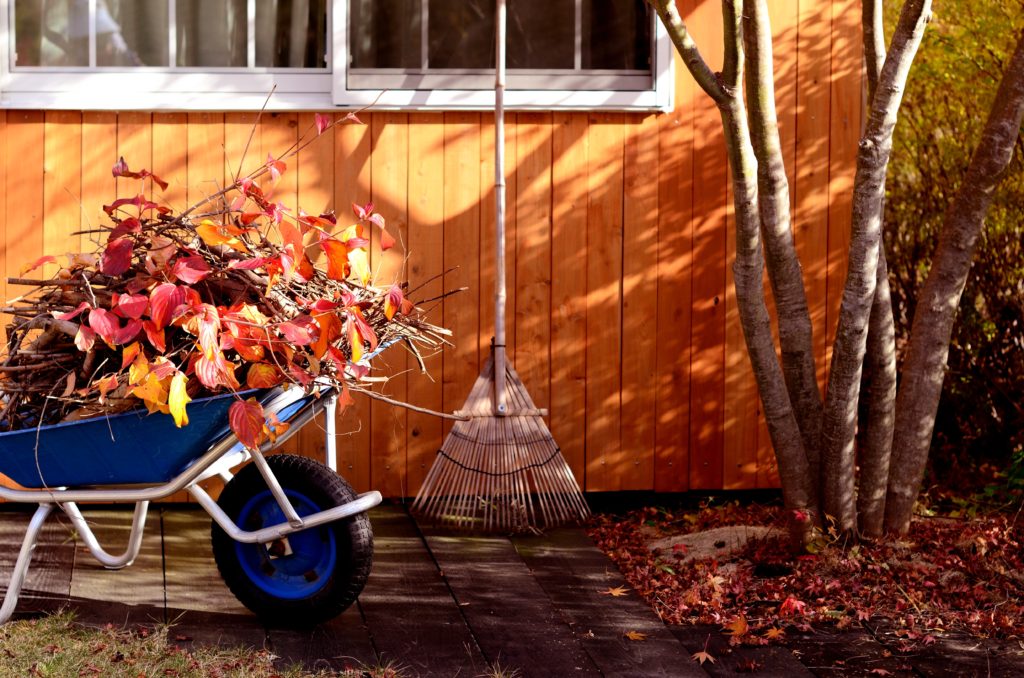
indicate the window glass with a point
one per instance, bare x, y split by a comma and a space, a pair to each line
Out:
385, 33
212, 33
291, 33
541, 34
616, 35
461, 34
51, 33
131, 33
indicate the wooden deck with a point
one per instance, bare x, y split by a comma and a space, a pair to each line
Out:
437, 604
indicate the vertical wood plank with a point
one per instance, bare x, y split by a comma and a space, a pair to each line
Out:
170, 156
605, 461
24, 171
62, 185
675, 286
462, 255
135, 145
531, 314
352, 185
639, 301
4, 174
99, 187
314, 168
843, 134
242, 145
570, 153
426, 257
707, 389
390, 169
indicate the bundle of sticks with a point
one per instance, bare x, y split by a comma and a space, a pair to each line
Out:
222, 297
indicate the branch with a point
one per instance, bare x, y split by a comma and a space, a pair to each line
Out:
874, 42
732, 67
695, 63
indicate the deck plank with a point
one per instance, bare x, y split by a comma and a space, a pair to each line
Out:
406, 588
573, 573
738, 660
343, 642
132, 595
48, 583
511, 616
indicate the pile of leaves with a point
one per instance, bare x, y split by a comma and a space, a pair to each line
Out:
950, 574
222, 297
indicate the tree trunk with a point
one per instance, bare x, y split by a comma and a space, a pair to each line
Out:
784, 270
840, 418
925, 363
878, 403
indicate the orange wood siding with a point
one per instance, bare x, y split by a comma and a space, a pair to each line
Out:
621, 314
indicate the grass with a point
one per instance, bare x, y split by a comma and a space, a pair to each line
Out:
56, 646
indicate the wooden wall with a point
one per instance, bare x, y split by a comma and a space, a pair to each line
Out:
622, 315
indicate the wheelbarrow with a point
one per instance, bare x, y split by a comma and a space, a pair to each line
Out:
290, 537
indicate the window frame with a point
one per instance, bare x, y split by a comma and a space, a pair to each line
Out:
298, 89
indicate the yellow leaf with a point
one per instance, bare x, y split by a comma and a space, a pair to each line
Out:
359, 265
635, 635
616, 592
214, 234
153, 392
703, 656
178, 399
775, 633
737, 627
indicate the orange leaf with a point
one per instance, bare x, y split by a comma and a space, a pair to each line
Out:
247, 421
48, 259
355, 340
330, 330
635, 635
703, 656
345, 400
178, 398
214, 234
337, 258
737, 627
393, 302
386, 241
262, 375
616, 592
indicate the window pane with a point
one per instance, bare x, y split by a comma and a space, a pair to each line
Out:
291, 33
212, 33
131, 33
616, 35
51, 33
461, 34
540, 33
385, 33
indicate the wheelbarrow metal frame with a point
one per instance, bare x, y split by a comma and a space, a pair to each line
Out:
218, 460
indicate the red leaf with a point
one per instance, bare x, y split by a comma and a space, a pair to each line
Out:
352, 116
163, 301
209, 329
216, 372
155, 335
117, 257
393, 302
129, 354
247, 421
300, 331
120, 167
85, 339
105, 324
300, 375
377, 219
386, 241
130, 330
323, 306
250, 264
791, 606
126, 226
322, 122
345, 400
191, 269
48, 259
362, 211
131, 305
277, 167
72, 314
364, 328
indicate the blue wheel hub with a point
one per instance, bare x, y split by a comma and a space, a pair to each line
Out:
294, 567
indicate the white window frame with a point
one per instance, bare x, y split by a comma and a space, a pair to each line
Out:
226, 89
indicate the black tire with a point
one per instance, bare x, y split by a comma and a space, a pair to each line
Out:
339, 554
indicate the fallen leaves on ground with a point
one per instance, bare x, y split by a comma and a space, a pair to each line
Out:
616, 592
948, 574
635, 635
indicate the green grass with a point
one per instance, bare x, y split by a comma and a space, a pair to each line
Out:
56, 646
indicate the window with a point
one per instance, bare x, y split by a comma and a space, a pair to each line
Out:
228, 54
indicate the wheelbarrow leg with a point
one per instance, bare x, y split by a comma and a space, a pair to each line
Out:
24, 558
105, 559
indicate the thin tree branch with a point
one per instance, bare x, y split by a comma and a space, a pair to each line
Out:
681, 38
874, 42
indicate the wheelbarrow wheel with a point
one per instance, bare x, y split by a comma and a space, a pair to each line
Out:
310, 576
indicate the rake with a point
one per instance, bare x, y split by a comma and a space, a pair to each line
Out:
500, 469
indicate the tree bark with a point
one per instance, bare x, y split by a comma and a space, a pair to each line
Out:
925, 363
784, 270
879, 402
840, 417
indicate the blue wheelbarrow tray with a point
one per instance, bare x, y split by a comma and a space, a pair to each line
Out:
123, 449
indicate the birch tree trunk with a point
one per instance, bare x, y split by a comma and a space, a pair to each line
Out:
925, 363
840, 417
878, 403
